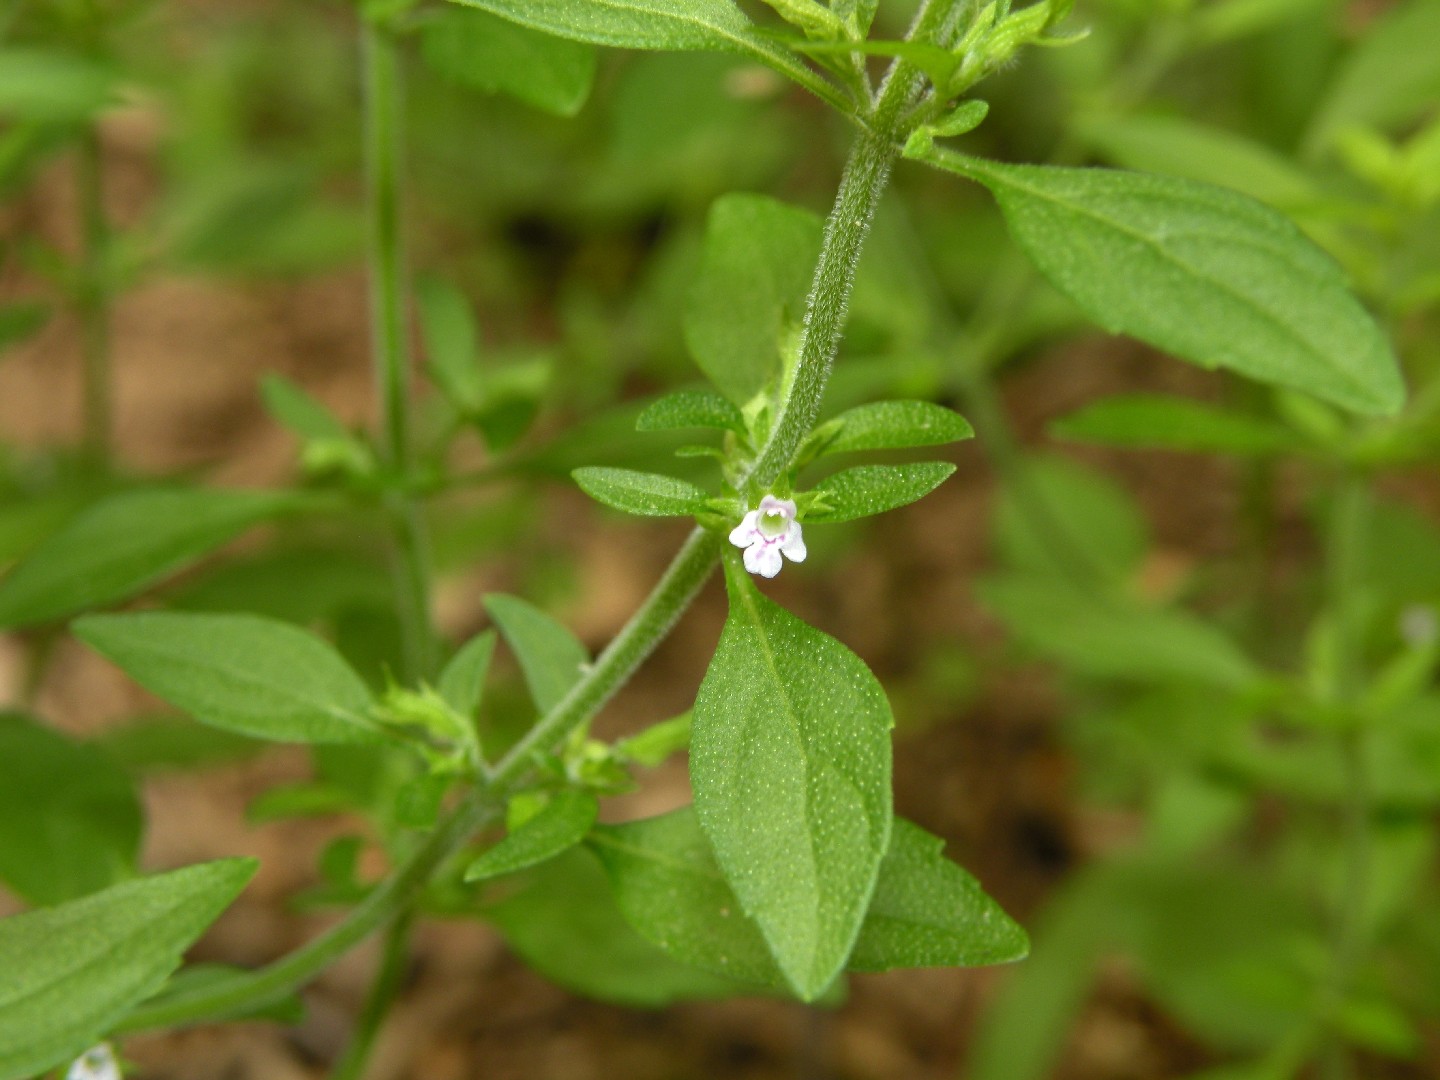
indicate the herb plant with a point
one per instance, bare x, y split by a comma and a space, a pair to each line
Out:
791, 867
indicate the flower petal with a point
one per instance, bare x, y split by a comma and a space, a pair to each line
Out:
794, 545
767, 560
744, 533
784, 507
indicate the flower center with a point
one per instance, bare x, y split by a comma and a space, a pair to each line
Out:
773, 525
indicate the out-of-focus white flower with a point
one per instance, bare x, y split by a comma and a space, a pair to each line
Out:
766, 532
97, 1063
1419, 625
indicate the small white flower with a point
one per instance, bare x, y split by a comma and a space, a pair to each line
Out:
97, 1063
766, 532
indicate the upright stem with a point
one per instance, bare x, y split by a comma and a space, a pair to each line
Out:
389, 981
384, 138
94, 300
1349, 524
866, 173
682, 579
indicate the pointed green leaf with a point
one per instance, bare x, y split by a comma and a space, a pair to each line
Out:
657, 742
1153, 421
452, 343
892, 425
491, 55
1062, 519
690, 409
298, 411
1388, 77
563, 921
873, 489
550, 656
73, 971
52, 86
70, 820
671, 889
929, 912
926, 910
754, 275
124, 543
1209, 275
462, 682
558, 826
790, 763
1103, 640
239, 672
1211, 155
647, 494
676, 25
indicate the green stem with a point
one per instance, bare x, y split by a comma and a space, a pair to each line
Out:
866, 173
254, 989
1348, 529
94, 301
682, 579
389, 981
384, 138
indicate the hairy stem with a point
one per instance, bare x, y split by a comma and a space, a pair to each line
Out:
638, 638
263, 986
866, 174
384, 137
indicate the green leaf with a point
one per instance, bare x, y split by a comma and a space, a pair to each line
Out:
873, 489
51, 86
160, 743
929, 912
564, 923
648, 494
297, 584
670, 889
1389, 76
1170, 423
690, 409
492, 55
1211, 155
790, 763
755, 270
550, 656
20, 321
73, 971
70, 820
674, 25
238, 672
657, 742
926, 911
1206, 274
462, 682
1101, 639
288, 1010
124, 543
452, 343
298, 411
1061, 519
558, 826
892, 425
